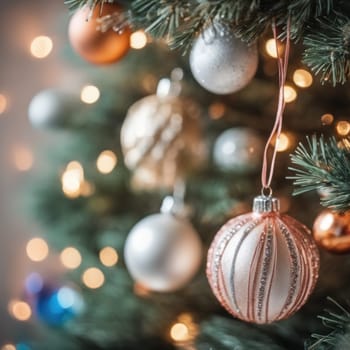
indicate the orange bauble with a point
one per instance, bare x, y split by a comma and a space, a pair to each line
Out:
332, 231
93, 45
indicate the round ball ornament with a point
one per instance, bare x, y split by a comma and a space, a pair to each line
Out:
92, 44
221, 62
238, 150
262, 266
163, 252
331, 231
162, 141
51, 108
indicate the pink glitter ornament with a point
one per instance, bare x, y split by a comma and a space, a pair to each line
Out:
262, 266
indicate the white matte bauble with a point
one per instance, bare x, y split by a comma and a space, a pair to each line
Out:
163, 252
238, 150
221, 62
51, 108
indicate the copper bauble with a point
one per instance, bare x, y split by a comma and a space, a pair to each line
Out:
262, 266
332, 231
92, 44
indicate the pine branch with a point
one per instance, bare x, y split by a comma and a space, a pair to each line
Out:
324, 165
160, 18
338, 322
327, 49
76, 4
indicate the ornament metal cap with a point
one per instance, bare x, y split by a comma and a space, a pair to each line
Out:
265, 204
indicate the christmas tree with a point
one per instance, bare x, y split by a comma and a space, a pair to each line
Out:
169, 148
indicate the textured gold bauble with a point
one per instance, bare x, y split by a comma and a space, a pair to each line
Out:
332, 231
162, 141
92, 44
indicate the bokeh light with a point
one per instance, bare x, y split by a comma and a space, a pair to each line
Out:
271, 47
93, 278
20, 310
90, 94
217, 110
283, 142
138, 40
70, 258
327, 119
327, 222
302, 78
3, 103
343, 128
72, 179
41, 46
108, 256
34, 283
8, 347
37, 249
290, 94
106, 162
179, 332
23, 158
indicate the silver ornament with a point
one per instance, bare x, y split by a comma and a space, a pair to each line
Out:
51, 108
221, 62
239, 150
163, 252
161, 140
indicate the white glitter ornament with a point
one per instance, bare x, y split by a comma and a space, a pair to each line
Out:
163, 252
262, 266
238, 150
221, 62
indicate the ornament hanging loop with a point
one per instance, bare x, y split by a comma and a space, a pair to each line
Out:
268, 169
266, 191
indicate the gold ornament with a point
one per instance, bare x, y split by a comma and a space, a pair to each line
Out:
162, 141
91, 43
332, 231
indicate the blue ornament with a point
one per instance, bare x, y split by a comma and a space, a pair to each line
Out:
23, 346
55, 307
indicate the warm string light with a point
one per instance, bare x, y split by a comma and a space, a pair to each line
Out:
290, 94
72, 179
106, 162
343, 128
302, 78
283, 142
8, 347
108, 256
37, 249
71, 258
23, 158
3, 103
90, 94
138, 40
41, 46
20, 310
93, 278
327, 119
184, 330
271, 47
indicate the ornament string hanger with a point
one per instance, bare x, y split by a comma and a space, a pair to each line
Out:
282, 61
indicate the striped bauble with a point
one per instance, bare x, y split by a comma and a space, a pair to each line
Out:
262, 266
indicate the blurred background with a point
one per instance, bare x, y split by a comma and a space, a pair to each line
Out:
89, 196
22, 76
